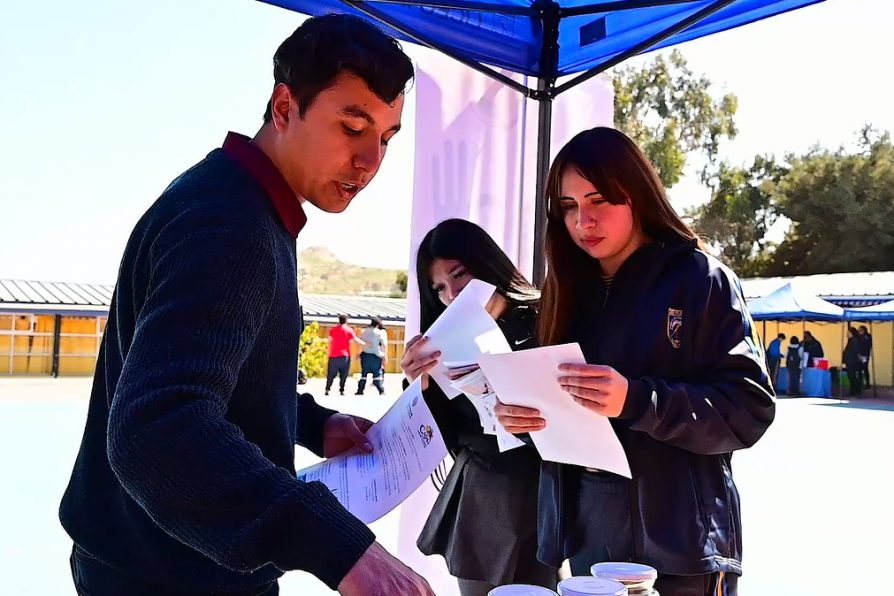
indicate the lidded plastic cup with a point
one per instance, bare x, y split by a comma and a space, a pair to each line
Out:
591, 586
638, 578
520, 590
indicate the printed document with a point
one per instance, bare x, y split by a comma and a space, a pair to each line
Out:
407, 447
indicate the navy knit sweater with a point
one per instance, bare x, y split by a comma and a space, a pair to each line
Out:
185, 476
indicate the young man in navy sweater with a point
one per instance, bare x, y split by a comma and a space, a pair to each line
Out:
185, 480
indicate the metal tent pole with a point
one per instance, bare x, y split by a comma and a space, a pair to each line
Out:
550, 16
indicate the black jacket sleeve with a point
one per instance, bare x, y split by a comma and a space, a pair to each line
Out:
731, 403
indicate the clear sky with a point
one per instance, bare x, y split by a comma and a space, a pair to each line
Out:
103, 103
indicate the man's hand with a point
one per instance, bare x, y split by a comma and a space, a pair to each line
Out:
377, 573
342, 432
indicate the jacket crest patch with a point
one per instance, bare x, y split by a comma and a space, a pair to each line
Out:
674, 326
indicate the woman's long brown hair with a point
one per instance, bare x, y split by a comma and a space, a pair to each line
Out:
623, 174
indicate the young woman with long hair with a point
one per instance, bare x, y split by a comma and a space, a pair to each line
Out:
673, 361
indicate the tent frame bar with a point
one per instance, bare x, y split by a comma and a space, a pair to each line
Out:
550, 15
645, 44
547, 11
599, 7
522, 11
374, 13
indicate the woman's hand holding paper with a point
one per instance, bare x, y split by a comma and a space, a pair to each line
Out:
518, 419
418, 360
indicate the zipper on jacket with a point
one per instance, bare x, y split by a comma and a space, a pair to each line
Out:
560, 513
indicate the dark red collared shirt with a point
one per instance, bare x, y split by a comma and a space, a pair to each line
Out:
240, 148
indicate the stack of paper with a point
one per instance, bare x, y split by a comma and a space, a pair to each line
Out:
464, 331
573, 434
470, 380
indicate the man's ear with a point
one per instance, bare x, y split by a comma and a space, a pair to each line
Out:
281, 105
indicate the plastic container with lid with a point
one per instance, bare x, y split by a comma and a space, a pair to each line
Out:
591, 586
639, 579
520, 590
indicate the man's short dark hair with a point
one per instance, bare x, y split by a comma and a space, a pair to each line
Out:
310, 59
781, 336
375, 322
342, 319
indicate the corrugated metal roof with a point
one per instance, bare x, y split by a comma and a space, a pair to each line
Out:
355, 307
844, 289
46, 297
54, 293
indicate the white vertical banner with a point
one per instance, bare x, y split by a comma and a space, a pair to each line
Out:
469, 153
476, 156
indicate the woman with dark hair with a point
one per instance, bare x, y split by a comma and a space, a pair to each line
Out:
853, 362
673, 361
484, 522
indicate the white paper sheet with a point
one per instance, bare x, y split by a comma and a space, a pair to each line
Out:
478, 390
464, 331
407, 447
573, 434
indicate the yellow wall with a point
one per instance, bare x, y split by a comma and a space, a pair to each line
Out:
32, 346
77, 354
31, 354
831, 334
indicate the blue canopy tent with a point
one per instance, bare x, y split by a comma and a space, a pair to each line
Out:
787, 303
548, 39
878, 312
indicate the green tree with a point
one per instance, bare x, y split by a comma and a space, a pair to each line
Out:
313, 356
670, 112
742, 208
401, 283
841, 205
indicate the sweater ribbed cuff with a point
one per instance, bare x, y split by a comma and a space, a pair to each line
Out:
333, 540
311, 422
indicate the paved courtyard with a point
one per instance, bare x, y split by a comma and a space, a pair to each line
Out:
817, 491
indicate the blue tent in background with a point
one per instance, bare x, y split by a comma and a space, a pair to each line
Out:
787, 303
879, 312
547, 39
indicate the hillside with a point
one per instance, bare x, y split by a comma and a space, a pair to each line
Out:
320, 272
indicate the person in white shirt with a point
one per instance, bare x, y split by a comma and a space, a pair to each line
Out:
373, 356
